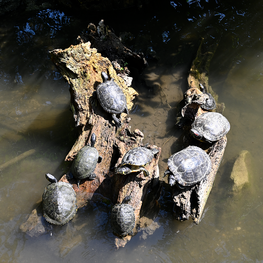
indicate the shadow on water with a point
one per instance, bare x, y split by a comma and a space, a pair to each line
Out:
35, 114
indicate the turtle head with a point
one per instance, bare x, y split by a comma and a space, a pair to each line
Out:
51, 178
201, 87
93, 139
124, 170
104, 76
196, 134
171, 180
126, 199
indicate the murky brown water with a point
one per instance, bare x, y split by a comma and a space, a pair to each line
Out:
35, 117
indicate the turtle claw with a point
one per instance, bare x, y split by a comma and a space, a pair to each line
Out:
117, 121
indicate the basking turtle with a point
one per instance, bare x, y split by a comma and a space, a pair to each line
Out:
188, 167
201, 97
111, 98
59, 201
210, 127
123, 218
208, 100
85, 161
135, 160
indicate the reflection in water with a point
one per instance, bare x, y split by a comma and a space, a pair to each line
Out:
35, 115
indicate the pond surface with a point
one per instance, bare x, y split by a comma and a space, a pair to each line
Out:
36, 120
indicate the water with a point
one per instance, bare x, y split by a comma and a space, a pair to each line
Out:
35, 116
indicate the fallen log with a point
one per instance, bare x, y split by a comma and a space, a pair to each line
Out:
199, 70
81, 66
110, 46
190, 203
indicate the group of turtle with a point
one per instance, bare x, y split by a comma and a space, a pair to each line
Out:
192, 164
185, 168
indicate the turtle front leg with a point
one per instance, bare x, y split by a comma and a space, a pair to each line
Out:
117, 121
92, 176
146, 173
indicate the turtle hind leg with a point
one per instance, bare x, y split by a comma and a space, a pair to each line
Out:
117, 121
167, 172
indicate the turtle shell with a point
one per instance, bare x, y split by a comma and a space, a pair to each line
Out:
59, 203
122, 219
209, 102
210, 126
85, 162
189, 166
139, 156
111, 97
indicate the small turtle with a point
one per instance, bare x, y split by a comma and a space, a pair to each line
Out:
123, 218
85, 161
135, 160
188, 167
208, 100
210, 127
111, 98
201, 97
59, 201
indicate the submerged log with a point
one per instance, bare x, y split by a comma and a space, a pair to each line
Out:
81, 66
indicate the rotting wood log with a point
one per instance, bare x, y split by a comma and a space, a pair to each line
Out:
81, 66
190, 203
199, 70
109, 45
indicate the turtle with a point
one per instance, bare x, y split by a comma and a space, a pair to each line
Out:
208, 100
85, 161
200, 97
197, 101
188, 167
210, 127
59, 201
123, 218
111, 98
135, 160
